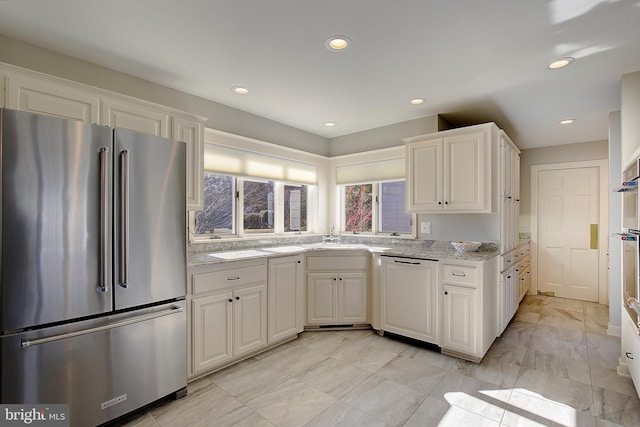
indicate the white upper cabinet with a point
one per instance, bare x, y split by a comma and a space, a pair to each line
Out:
192, 132
40, 96
126, 115
450, 171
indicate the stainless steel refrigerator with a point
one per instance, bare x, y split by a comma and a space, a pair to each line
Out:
93, 284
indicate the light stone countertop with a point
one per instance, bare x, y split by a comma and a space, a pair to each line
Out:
434, 252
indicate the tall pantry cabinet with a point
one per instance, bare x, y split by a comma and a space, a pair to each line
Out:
474, 169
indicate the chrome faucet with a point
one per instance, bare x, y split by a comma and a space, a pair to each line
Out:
332, 237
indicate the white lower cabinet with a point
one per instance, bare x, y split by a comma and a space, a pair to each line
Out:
337, 289
631, 348
286, 293
409, 300
469, 307
228, 313
459, 306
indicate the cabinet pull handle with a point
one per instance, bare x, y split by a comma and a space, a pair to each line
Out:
233, 278
458, 274
508, 277
628, 355
406, 262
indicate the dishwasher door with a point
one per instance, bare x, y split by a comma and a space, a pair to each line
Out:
102, 368
409, 298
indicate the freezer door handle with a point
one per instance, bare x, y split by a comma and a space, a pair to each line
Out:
25, 343
104, 220
124, 218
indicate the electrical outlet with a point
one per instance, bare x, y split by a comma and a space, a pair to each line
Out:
425, 227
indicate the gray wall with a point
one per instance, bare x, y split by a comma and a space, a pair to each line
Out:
219, 116
383, 137
594, 150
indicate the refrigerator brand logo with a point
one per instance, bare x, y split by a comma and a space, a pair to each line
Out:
39, 415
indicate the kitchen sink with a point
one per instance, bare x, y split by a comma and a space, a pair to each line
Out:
238, 254
284, 249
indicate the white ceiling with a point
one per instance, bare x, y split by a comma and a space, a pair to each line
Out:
474, 61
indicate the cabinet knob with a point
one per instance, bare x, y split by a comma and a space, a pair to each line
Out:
628, 354
446, 203
230, 300
334, 279
508, 197
341, 279
237, 298
439, 203
446, 293
299, 261
508, 277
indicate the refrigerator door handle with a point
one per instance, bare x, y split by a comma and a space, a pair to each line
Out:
104, 220
26, 343
124, 218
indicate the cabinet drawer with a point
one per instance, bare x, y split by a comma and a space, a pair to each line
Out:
337, 263
460, 274
227, 278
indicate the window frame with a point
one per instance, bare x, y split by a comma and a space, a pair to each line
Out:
376, 213
238, 212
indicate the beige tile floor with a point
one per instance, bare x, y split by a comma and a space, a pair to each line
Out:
554, 365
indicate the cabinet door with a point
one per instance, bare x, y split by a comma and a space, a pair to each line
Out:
128, 116
211, 330
249, 319
41, 97
322, 298
631, 348
285, 304
409, 299
192, 132
465, 163
459, 331
424, 180
352, 298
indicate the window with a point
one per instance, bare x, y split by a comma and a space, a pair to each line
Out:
358, 208
263, 207
295, 207
217, 216
258, 198
377, 208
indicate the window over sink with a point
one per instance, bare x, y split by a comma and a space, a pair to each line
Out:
376, 208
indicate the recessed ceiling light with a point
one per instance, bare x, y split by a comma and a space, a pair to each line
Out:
561, 62
337, 43
240, 90
329, 124
567, 121
417, 101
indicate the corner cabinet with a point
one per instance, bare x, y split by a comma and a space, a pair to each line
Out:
451, 171
469, 295
39, 93
286, 297
337, 288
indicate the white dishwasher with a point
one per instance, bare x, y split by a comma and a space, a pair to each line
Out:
409, 297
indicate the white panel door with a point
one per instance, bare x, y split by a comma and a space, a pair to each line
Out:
128, 116
249, 319
568, 205
459, 332
38, 96
464, 172
212, 333
352, 298
425, 187
322, 298
283, 297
